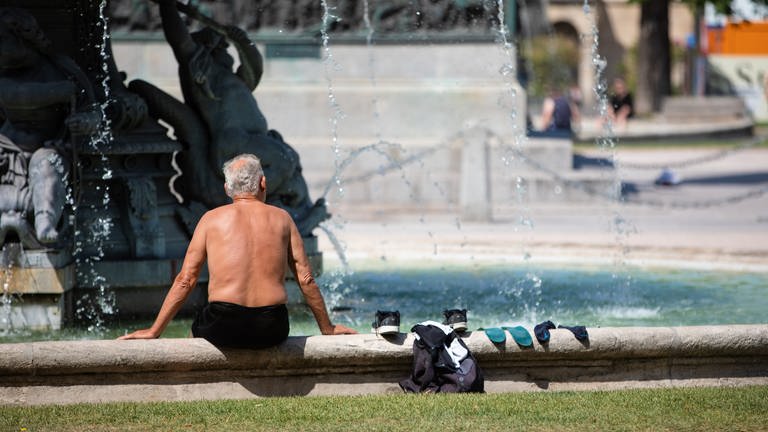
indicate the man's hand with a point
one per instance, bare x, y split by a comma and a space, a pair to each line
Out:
339, 329
140, 334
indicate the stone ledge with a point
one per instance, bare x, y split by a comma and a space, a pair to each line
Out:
188, 369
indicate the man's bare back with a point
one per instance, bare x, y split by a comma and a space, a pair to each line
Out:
246, 242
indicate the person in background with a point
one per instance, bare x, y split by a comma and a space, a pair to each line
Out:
556, 115
576, 99
621, 107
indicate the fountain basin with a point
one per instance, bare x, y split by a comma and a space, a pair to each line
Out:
192, 369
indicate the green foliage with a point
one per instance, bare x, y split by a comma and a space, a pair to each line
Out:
707, 409
721, 6
627, 69
554, 62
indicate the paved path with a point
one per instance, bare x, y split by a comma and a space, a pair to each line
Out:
732, 235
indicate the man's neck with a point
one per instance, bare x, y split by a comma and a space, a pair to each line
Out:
245, 197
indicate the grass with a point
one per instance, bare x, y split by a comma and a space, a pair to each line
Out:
761, 130
683, 409
715, 144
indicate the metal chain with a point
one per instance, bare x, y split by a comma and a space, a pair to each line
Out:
585, 187
695, 205
698, 160
717, 202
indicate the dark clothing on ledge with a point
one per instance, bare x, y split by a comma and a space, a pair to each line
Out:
232, 325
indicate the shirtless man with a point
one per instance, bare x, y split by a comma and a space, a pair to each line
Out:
247, 245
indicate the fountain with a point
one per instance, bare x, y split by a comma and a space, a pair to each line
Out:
128, 203
98, 202
144, 150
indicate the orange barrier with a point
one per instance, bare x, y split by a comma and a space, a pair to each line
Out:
738, 38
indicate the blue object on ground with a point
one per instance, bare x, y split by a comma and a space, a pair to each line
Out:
521, 336
668, 178
542, 331
495, 334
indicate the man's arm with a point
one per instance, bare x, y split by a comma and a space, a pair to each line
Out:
547, 109
182, 286
302, 271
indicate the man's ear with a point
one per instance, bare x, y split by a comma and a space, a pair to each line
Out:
263, 183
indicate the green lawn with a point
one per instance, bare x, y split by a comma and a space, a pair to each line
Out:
714, 144
691, 409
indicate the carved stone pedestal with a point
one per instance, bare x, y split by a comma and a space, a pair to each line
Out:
36, 289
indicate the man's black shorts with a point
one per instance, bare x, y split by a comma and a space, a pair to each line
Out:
233, 325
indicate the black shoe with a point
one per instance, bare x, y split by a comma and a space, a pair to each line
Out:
387, 322
456, 319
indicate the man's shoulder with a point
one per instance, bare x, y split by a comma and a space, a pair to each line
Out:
280, 217
216, 213
218, 210
278, 212
231, 209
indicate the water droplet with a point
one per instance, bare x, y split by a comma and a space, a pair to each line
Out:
507, 70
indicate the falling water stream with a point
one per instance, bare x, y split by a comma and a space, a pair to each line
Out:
343, 160
6, 297
526, 289
97, 307
620, 226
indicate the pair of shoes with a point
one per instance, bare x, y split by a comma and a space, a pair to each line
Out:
388, 322
456, 319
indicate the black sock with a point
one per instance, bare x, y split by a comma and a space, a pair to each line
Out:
579, 331
542, 331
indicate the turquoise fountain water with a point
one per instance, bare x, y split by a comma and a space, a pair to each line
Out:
494, 296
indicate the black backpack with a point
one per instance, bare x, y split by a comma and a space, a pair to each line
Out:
433, 368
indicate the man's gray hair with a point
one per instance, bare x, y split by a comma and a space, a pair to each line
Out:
243, 177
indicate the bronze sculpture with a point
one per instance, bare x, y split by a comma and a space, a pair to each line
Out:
49, 108
47, 105
220, 117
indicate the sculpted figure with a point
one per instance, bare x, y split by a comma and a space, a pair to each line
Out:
40, 95
223, 103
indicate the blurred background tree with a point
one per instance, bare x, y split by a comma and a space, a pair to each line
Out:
553, 61
654, 51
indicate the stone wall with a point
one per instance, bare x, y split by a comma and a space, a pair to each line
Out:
393, 122
192, 369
